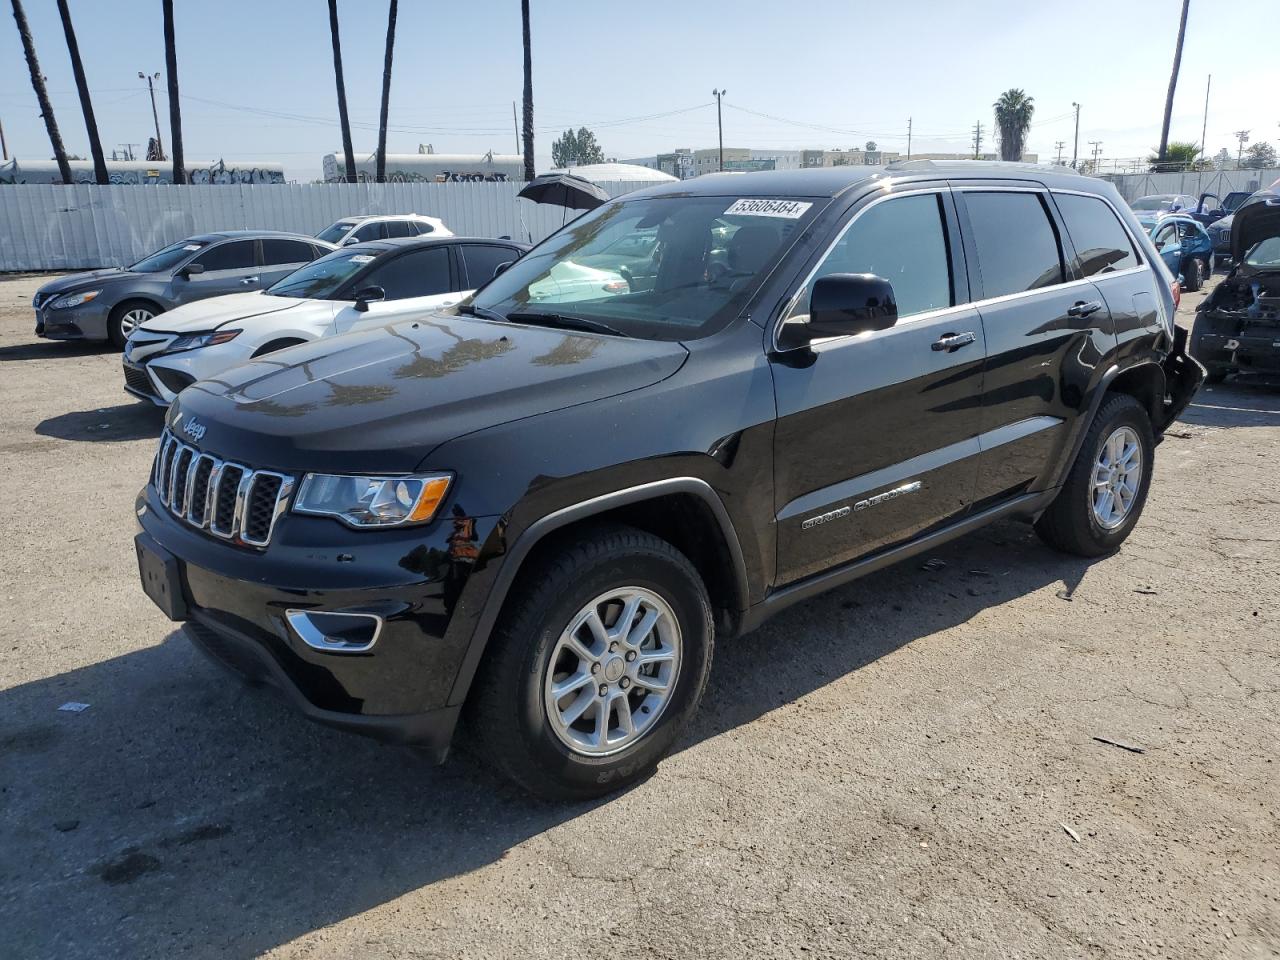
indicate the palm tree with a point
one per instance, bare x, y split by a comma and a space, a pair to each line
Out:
82, 87
1173, 83
1013, 120
347, 152
175, 111
42, 94
1177, 156
528, 93
381, 165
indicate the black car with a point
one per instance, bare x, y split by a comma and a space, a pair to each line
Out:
1237, 327
539, 510
1220, 230
109, 304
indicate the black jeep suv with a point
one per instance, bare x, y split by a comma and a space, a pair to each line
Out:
684, 411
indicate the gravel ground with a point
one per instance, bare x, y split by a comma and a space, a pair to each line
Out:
906, 767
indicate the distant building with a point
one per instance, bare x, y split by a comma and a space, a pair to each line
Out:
1026, 157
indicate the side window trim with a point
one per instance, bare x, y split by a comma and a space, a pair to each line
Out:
976, 283
960, 289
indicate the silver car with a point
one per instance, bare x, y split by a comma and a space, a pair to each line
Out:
108, 304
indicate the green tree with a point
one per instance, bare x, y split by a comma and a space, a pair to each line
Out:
1013, 120
1260, 156
575, 149
1178, 155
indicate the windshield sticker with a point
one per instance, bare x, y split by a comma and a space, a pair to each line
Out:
362, 258
192, 246
786, 209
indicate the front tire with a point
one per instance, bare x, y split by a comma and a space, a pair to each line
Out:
1103, 496
127, 317
597, 664
1193, 274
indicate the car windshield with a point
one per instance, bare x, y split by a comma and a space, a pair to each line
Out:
1158, 202
1234, 200
1264, 254
335, 231
664, 268
320, 279
168, 258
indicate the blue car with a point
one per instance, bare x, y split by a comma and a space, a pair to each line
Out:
1185, 247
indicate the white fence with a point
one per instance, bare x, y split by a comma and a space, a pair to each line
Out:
55, 227
1135, 185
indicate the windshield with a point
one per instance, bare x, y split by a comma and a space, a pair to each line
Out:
320, 279
665, 268
1234, 200
168, 258
335, 231
1163, 201
1265, 254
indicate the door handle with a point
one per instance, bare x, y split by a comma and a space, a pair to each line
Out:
1082, 308
954, 341
248, 280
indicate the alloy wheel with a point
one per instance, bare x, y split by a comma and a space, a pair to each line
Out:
1117, 475
133, 319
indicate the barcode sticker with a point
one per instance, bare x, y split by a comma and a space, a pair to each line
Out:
786, 209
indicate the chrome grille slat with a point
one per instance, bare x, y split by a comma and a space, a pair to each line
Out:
200, 489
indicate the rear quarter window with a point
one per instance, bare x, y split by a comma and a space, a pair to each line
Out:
1102, 245
1016, 243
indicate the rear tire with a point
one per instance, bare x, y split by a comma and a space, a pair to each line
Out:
1193, 275
126, 317
546, 640
1092, 513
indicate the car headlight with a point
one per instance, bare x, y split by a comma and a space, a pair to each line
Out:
208, 338
73, 299
373, 501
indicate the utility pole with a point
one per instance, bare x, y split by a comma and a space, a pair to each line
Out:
4, 147
1058, 145
151, 78
720, 124
908, 138
1097, 149
977, 140
127, 148
1075, 150
1243, 136
515, 123
1204, 131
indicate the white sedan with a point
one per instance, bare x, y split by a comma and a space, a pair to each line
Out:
359, 286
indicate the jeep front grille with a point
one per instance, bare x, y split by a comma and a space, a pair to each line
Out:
229, 500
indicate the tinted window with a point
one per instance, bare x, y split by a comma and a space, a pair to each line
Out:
421, 273
1017, 247
370, 231
335, 231
399, 228
482, 259
236, 255
285, 251
421, 226
321, 279
903, 241
168, 258
1166, 237
1102, 246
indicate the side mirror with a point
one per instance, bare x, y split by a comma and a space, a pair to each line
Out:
843, 304
368, 295
350, 240
191, 269
502, 266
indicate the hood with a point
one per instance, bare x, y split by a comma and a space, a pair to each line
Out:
1252, 224
381, 400
86, 281
215, 311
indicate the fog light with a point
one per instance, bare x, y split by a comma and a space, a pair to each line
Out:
335, 632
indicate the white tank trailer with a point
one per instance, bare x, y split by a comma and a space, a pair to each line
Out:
143, 171
430, 167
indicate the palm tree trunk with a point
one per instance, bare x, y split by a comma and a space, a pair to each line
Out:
1173, 83
82, 87
348, 154
380, 169
175, 109
42, 93
529, 173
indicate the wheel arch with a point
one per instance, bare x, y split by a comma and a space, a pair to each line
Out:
684, 511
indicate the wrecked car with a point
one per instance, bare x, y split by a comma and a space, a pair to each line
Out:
1237, 328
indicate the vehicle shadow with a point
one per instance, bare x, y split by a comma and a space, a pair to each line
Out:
183, 813
56, 349
1234, 403
125, 421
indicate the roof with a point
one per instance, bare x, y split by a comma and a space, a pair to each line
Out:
229, 234
833, 181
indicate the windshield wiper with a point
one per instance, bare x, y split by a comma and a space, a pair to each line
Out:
471, 310
560, 321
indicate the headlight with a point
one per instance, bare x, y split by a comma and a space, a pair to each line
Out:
207, 339
73, 299
373, 501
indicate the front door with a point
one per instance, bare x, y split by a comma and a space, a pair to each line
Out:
229, 267
877, 433
415, 281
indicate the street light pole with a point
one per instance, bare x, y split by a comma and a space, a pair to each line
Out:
720, 124
1075, 150
154, 116
908, 138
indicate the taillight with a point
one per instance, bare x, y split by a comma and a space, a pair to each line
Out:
1177, 294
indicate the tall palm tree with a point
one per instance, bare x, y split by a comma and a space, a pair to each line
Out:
380, 169
528, 93
82, 87
175, 110
42, 94
1173, 82
347, 152
1013, 120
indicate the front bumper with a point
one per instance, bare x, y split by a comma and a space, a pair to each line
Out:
85, 322
234, 601
1255, 349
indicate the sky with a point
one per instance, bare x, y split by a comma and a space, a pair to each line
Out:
256, 78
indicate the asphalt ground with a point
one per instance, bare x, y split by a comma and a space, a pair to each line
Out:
911, 766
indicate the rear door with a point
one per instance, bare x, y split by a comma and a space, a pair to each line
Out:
281, 256
876, 437
229, 267
412, 282
481, 260
1169, 247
